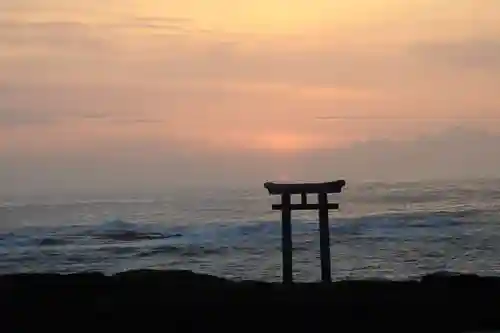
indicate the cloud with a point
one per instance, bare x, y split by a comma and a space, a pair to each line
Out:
116, 118
56, 35
458, 152
139, 164
142, 73
156, 54
11, 119
67, 36
463, 55
175, 24
16, 118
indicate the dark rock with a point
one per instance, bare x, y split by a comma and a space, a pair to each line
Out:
182, 301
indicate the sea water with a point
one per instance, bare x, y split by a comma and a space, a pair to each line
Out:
382, 230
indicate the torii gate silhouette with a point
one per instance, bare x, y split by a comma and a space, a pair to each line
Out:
286, 207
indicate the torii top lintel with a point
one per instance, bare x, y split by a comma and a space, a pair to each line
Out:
310, 188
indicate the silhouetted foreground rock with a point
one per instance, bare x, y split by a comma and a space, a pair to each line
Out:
182, 301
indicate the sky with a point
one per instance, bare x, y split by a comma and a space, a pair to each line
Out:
129, 94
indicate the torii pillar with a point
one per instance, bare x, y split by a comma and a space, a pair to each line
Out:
322, 190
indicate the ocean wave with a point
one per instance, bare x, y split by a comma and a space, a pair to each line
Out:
116, 231
121, 231
462, 214
14, 240
52, 241
74, 203
119, 237
388, 195
183, 250
131, 236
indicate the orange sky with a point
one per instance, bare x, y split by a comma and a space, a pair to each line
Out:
227, 75
251, 67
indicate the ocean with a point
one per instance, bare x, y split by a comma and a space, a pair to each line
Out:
382, 230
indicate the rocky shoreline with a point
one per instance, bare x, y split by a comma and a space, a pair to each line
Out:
183, 301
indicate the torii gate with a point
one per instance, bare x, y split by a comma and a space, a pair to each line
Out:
286, 207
